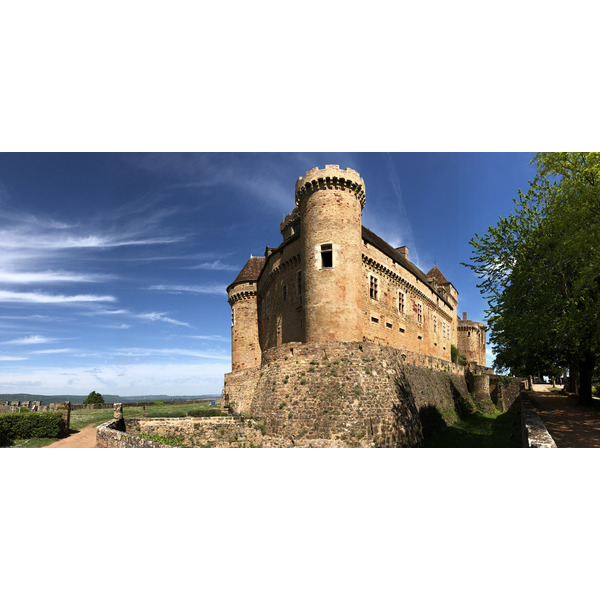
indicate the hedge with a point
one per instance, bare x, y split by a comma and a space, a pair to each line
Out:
31, 424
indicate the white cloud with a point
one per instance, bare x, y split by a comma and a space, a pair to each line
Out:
142, 352
54, 351
32, 339
215, 265
41, 298
10, 358
161, 317
194, 289
49, 277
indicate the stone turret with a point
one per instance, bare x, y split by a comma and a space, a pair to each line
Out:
330, 203
245, 347
471, 340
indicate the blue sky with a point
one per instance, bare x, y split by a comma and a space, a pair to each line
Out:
114, 266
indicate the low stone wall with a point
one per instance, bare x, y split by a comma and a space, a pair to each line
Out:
138, 404
111, 435
533, 430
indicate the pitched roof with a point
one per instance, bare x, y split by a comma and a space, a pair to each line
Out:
437, 275
251, 270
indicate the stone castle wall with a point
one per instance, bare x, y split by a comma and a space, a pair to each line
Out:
352, 393
280, 299
428, 330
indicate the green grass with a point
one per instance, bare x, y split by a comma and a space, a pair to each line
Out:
83, 418
479, 431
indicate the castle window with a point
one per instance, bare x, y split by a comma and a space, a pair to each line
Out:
419, 313
326, 256
299, 283
232, 317
435, 324
401, 330
401, 302
374, 320
373, 285
284, 293
388, 325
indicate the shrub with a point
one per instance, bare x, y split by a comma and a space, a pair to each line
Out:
31, 424
159, 403
94, 398
204, 412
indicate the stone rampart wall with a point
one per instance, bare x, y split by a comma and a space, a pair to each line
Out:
356, 394
141, 404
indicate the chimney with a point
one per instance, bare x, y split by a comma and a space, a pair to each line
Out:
403, 251
464, 316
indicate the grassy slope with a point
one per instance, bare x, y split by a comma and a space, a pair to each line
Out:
501, 430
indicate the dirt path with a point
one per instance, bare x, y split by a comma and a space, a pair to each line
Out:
85, 438
570, 424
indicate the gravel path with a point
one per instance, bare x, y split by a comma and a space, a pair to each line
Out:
85, 438
570, 424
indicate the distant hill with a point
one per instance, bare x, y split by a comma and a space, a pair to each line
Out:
107, 398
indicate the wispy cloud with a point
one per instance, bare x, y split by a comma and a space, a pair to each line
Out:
41, 298
49, 277
155, 316
53, 351
145, 352
30, 340
194, 289
212, 338
12, 358
215, 265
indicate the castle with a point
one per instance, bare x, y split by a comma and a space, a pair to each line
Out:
331, 287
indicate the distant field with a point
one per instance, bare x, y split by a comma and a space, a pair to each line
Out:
83, 418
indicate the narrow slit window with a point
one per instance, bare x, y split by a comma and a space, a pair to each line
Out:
326, 256
299, 283
373, 287
284, 293
388, 325
374, 320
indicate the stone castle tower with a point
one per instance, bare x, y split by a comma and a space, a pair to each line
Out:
330, 203
333, 281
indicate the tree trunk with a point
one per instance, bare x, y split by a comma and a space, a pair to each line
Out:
586, 371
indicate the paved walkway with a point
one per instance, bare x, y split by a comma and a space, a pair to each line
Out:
86, 438
570, 424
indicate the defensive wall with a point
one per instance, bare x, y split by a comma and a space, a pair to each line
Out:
141, 404
352, 393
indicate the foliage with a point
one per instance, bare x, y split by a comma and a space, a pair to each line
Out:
456, 357
169, 441
539, 272
501, 430
94, 398
31, 425
205, 412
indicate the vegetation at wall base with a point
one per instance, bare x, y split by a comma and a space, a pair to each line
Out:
499, 430
26, 425
161, 439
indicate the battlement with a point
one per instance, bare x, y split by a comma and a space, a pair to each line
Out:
328, 178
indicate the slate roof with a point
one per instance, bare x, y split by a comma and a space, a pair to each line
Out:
437, 275
251, 270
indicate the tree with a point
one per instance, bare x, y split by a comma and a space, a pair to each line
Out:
540, 272
94, 398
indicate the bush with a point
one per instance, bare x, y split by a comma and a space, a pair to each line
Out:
456, 357
204, 412
159, 403
31, 424
94, 398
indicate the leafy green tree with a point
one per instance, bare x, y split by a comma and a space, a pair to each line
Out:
540, 272
94, 398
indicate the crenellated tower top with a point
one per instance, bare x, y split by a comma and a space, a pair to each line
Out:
331, 177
